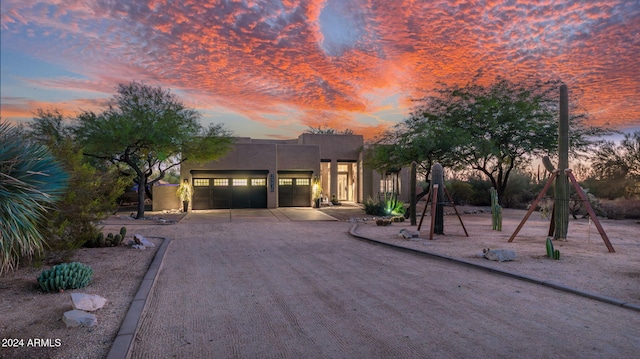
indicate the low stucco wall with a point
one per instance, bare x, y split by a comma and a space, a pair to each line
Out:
164, 198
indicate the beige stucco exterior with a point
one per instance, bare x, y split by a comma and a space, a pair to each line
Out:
334, 161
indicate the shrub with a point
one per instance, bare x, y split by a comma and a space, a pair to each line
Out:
30, 182
373, 207
461, 192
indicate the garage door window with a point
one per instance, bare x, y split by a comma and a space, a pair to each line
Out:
240, 182
220, 182
285, 181
199, 182
258, 182
302, 182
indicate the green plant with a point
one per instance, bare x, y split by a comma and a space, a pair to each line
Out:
551, 252
496, 211
394, 207
117, 239
93, 187
65, 276
374, 208
31, 181
111, 240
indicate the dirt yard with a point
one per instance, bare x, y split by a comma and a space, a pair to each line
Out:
585, 264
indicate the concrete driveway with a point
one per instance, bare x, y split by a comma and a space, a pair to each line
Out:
282, 214
306, 289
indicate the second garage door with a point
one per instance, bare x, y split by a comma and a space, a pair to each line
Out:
294, 192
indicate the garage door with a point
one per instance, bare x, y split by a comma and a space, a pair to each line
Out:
294, 192
236, 191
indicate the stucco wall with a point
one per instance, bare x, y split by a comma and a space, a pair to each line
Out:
336, 147
299, 157
164, 198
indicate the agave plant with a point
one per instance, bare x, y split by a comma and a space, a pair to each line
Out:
30, 182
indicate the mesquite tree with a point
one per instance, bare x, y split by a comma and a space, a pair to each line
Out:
147, 131
493, 129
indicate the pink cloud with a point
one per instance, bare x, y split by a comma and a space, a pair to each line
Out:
257, 59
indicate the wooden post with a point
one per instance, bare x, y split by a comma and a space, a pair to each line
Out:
534, 205
592, 214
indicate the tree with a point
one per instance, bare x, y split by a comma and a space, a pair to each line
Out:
147, 131
92, 193
414, 139
619, 164
326, 130
30, 183
493, 129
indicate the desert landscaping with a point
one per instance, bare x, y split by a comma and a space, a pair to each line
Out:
585, 265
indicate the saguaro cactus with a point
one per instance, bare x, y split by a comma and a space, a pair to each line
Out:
561, 214
496, 211
437, 177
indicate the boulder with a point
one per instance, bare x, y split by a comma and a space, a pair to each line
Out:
79, 318
140, 240
408, 234
138, 246
87, 302
500, 255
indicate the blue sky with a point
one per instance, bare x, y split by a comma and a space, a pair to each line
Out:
271, 69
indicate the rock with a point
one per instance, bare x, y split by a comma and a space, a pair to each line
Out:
500, 255
139, 239
87, 302
79, 318
408, 234
138, 246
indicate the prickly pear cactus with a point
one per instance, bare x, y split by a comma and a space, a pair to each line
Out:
65, 276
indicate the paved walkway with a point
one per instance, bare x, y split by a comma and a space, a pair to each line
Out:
259, 288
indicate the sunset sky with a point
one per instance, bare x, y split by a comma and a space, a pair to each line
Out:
271, 69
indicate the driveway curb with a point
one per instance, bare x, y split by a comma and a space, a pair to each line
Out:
558, 286
123, 343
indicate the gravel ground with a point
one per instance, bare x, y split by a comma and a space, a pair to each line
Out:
308, 289
259, 287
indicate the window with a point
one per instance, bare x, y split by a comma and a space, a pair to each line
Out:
220, 182
285, 181
302, 182
343, 168
258, 181
200, 182
240, 182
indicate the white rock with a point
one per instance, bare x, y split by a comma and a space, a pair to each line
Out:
87, 302
500, 255
138, 246
139, 239
79, 318
408, 234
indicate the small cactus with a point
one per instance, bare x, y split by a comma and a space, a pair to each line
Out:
123, 232
496, 211
551, 252
65, 276
101, 241
117, 239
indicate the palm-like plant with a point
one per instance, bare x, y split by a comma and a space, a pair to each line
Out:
30, 182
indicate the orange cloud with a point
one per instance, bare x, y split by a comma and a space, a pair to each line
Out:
316, 62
